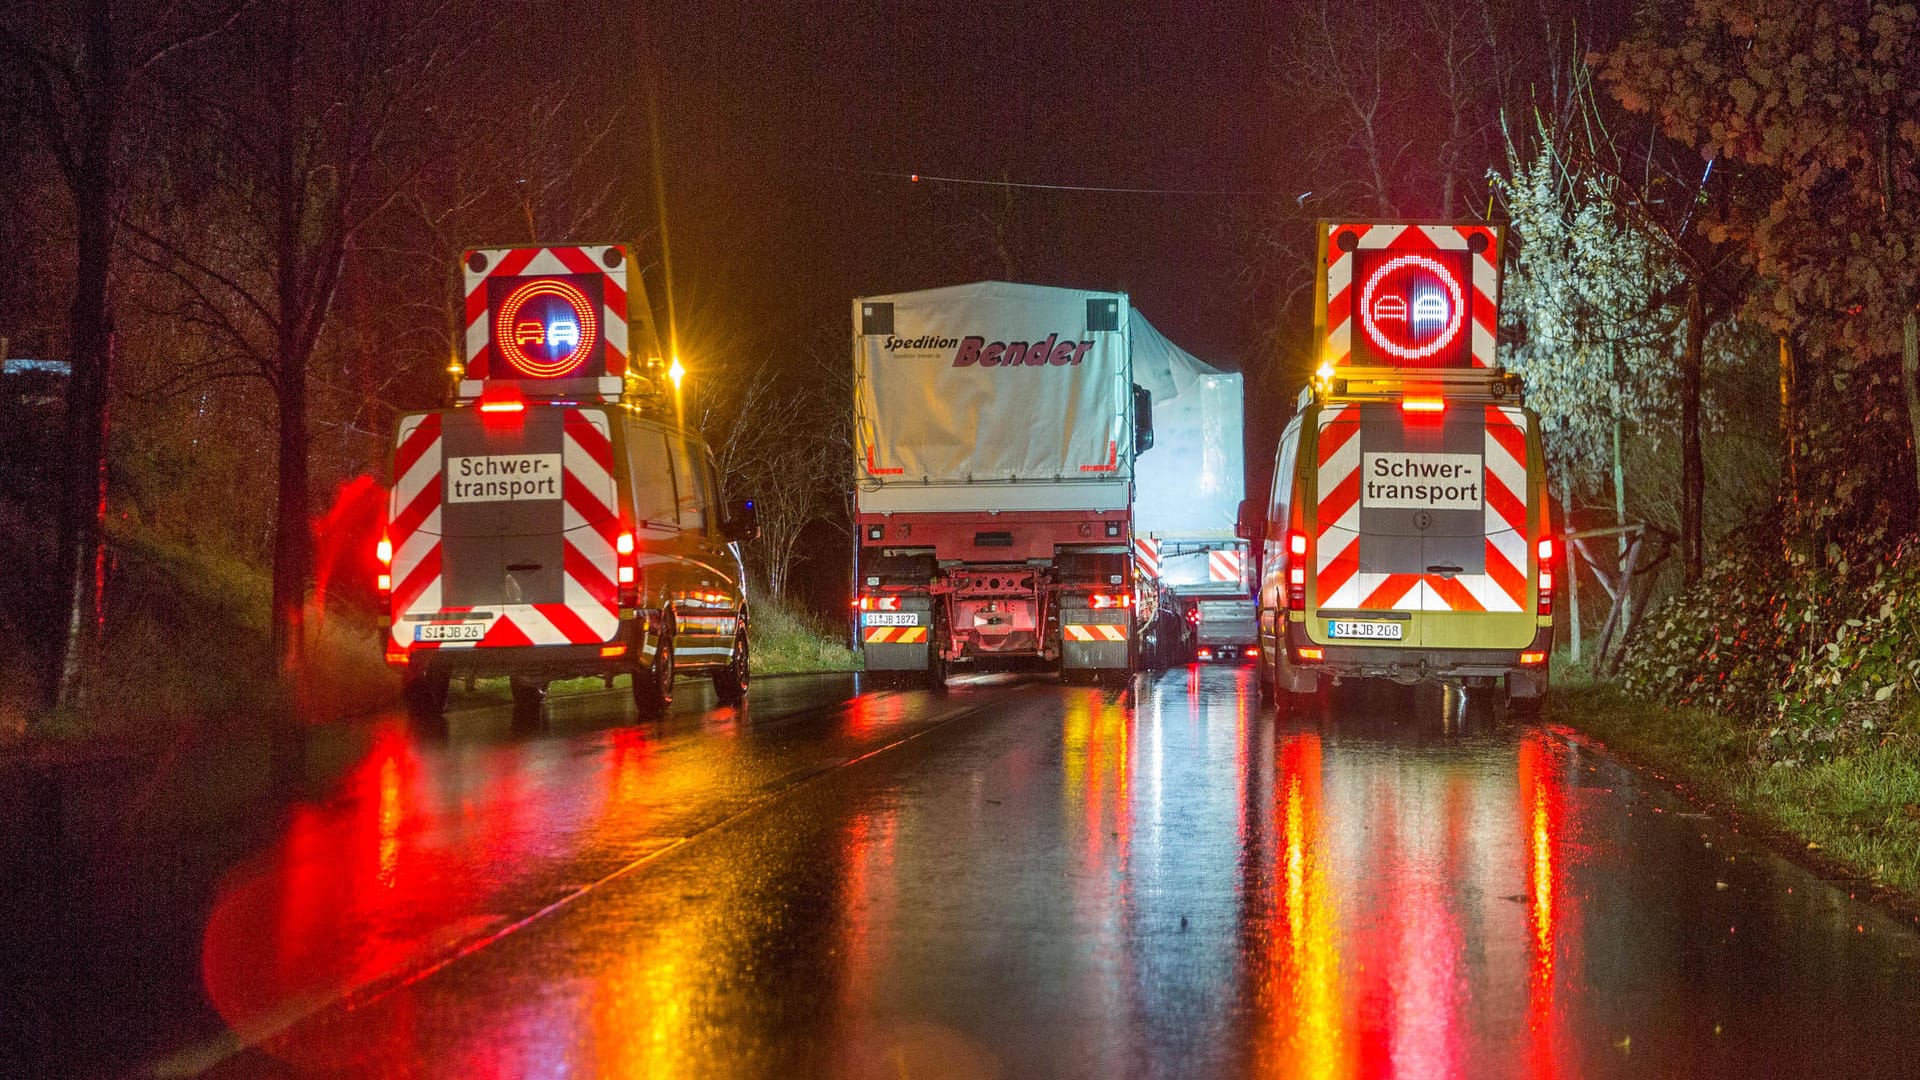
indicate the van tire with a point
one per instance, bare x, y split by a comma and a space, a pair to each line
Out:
730, 682
529, 700
425, 694
653, 684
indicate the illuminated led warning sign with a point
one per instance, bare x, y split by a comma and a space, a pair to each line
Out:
551, 320
1400, 296
546, 327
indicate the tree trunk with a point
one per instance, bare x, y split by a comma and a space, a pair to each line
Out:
1910, 377
82, 555
1693, 471
1571, 562
293, 532
1619, 513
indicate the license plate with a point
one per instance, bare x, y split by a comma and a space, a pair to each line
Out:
1378, 631
890, 618
467, 631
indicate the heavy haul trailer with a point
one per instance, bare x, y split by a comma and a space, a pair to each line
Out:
996, 428
1187, 494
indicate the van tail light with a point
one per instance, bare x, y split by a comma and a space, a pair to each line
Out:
1296, 571
1530, 658
1310, 652
1110, 600
627, 572
383, 551
1545, 552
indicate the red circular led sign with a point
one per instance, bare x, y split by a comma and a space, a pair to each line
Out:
545, 328
1412, 307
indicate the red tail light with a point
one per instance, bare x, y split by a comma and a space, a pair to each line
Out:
628, 574
383, 551
1423, 404
1296, 571
1111, 600
1545, 551
503, 406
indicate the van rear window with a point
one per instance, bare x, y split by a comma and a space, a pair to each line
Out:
649, 463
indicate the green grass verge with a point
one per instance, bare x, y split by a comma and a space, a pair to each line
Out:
186, 645
1858, 808
785, 639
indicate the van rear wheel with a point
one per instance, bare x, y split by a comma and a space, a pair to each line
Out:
529, 699
730, 682
425, 694
653, 684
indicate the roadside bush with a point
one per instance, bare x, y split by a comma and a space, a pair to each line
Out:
1820, 657
786, 638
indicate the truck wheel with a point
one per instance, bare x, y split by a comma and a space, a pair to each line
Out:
425, 693
529, 700
730, 682
653, 684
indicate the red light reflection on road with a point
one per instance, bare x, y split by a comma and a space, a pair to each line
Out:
1543, 816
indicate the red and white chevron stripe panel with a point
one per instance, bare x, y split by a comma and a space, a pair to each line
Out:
589, 612
482, 354
1413, 239
1094, 632
1340, 581
1146, 554
1224, 565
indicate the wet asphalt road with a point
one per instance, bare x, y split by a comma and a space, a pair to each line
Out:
1022, 879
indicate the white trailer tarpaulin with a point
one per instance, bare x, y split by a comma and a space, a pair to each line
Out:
993, 396
1191, 483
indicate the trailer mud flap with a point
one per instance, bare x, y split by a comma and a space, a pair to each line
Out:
895, 648
1095, 639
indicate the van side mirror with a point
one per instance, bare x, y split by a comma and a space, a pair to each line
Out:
1250, 523
1142, 420
741, 524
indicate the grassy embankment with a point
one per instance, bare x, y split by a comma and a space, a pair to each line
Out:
1855, 807
187, 647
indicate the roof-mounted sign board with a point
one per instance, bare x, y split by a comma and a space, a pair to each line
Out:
1403, 295
550, 321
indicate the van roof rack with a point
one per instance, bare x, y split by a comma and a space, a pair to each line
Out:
1354, 384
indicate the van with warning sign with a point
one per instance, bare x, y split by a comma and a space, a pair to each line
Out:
1407, 533
554, 521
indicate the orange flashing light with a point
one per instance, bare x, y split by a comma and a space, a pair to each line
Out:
1423, 405
1311, 652
608, 652
1531, 658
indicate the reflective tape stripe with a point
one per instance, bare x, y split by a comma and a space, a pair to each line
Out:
895, 635
1094, 632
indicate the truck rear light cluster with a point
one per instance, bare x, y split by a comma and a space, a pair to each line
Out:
1110, 600
878, 603
1296, 571
627, 573
1545, 552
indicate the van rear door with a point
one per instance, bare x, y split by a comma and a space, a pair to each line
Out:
503, 526
1486, 602
1369, 562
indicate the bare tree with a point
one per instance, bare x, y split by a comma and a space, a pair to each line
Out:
311, 130
82, 68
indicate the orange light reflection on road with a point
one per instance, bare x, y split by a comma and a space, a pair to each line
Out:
1303, 999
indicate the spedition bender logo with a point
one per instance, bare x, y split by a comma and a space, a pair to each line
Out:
974, 350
